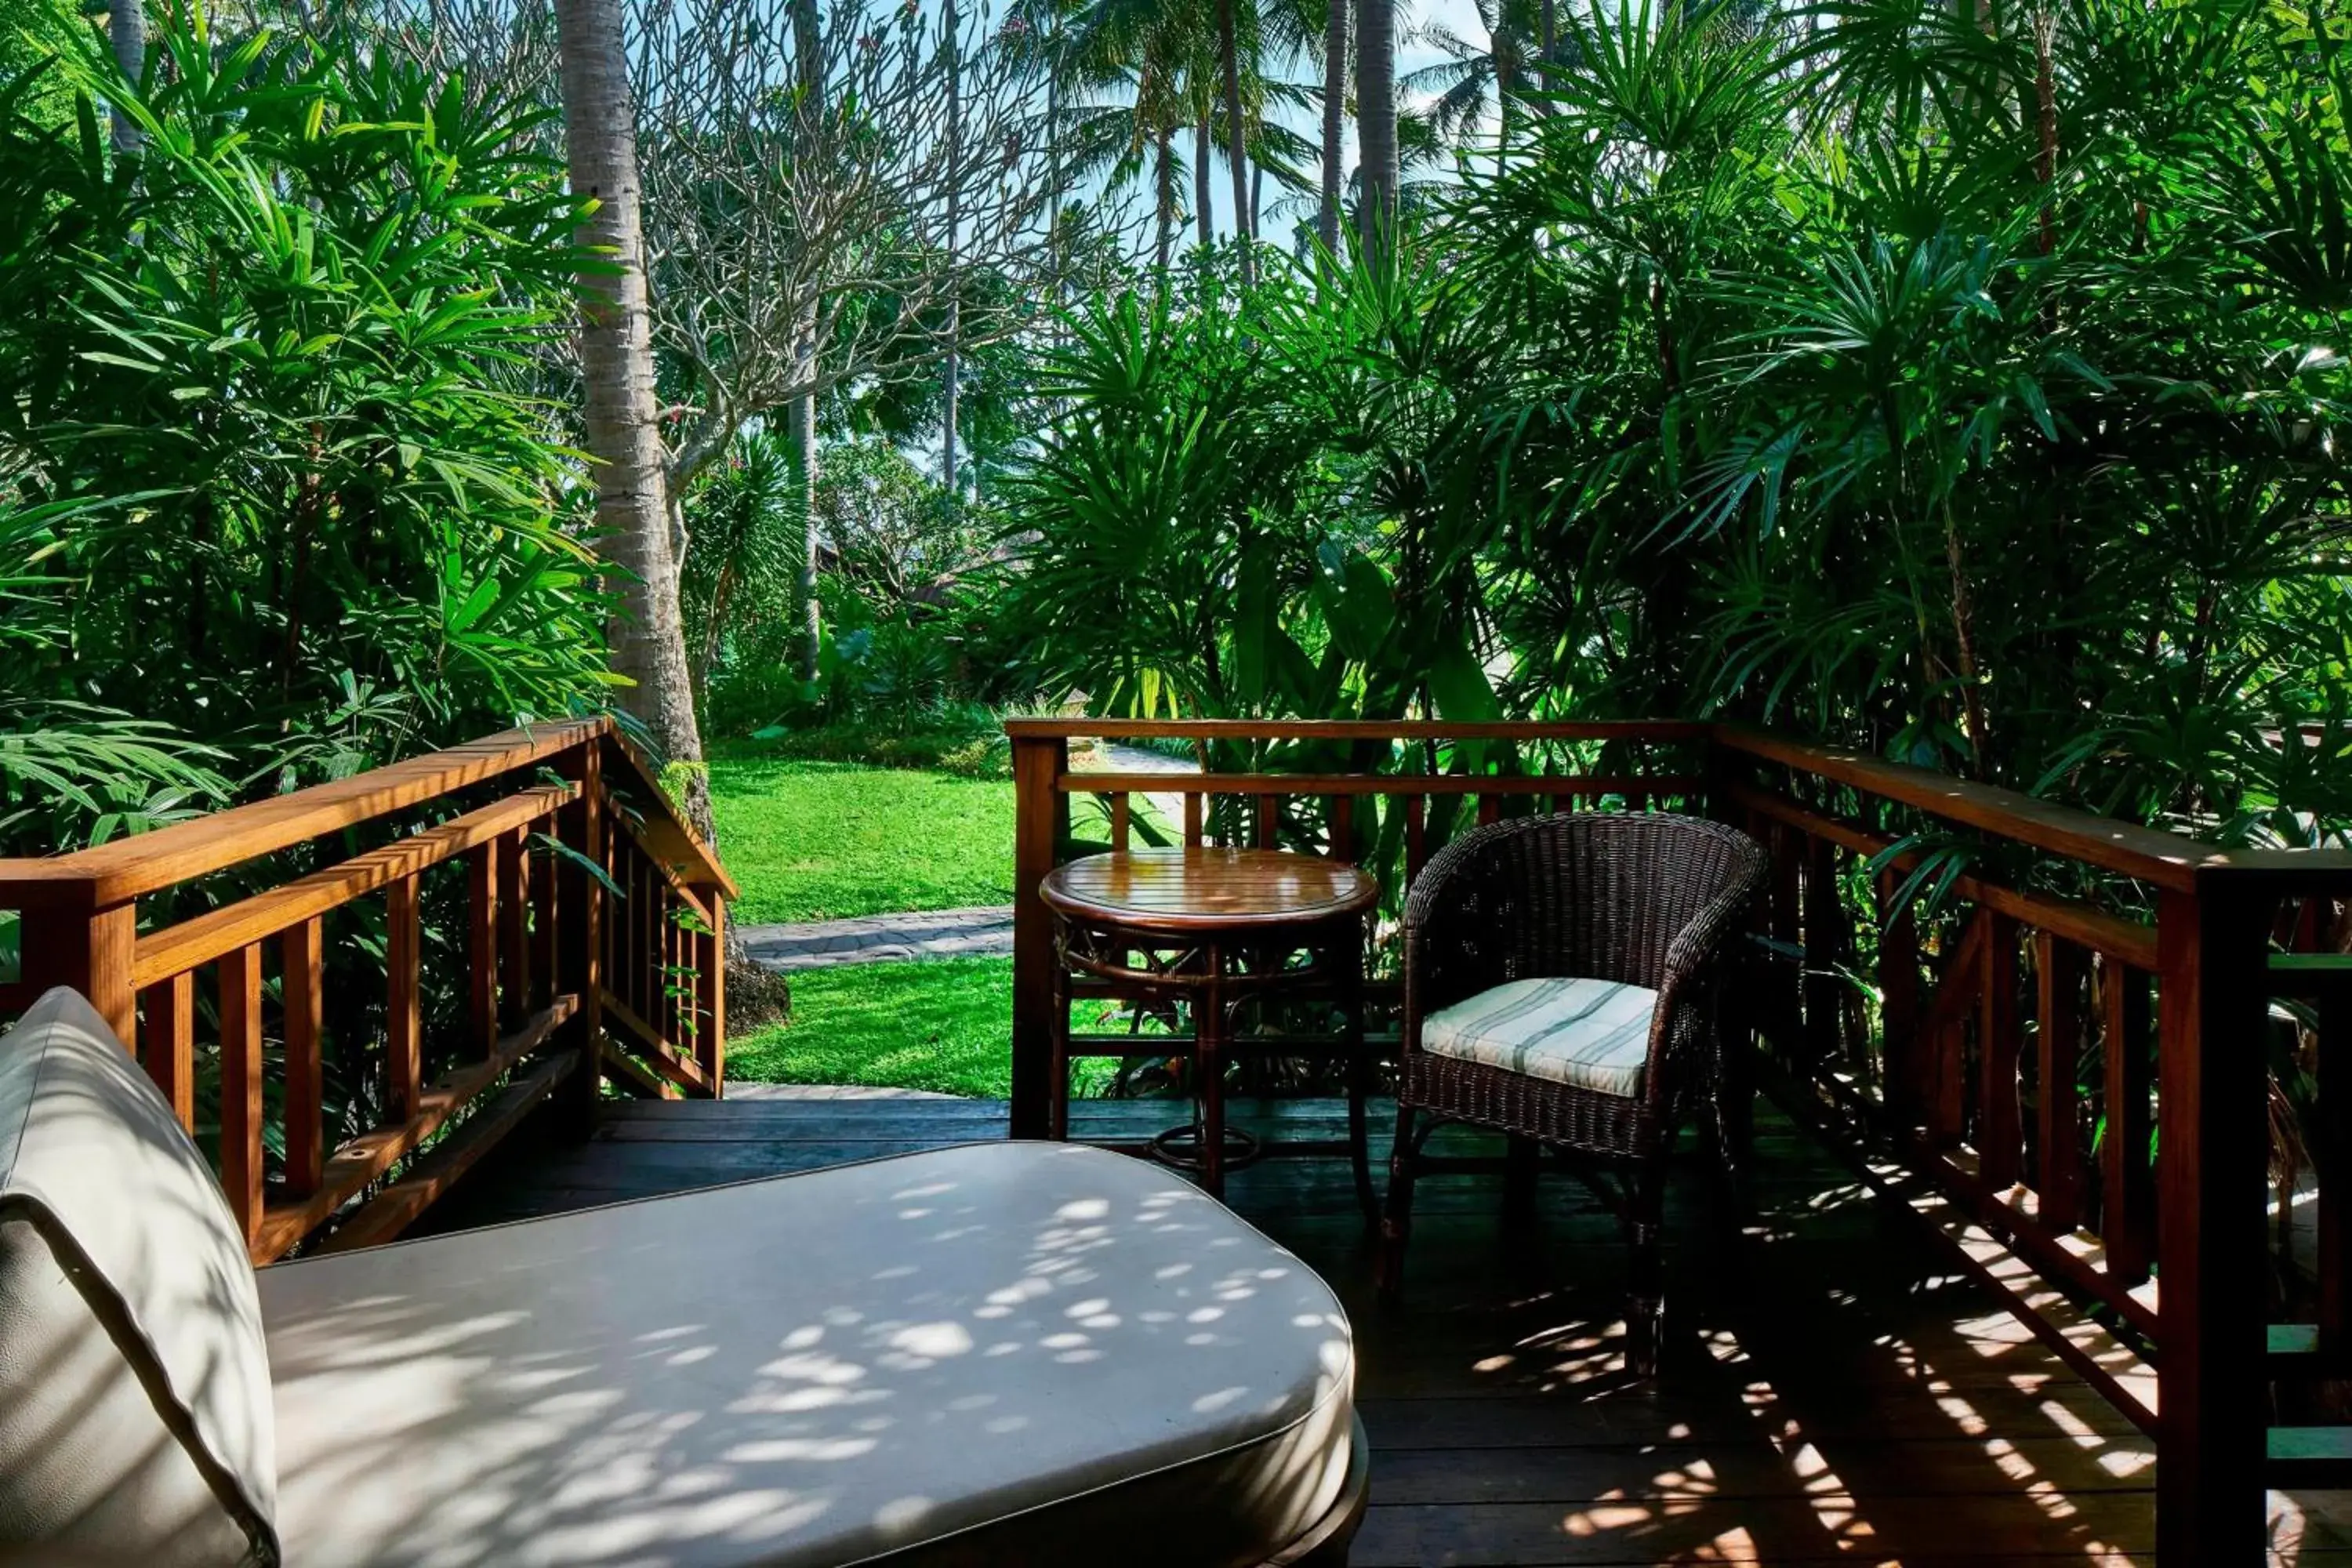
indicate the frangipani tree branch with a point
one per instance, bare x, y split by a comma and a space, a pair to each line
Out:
784, 202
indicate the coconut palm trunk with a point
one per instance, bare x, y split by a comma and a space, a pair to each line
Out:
1376, 124
1164, 176
1203, 220
617, 362
1229, 60
1335, 108
126, 30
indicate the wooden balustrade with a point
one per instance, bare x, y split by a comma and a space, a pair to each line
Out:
539, 942
2057, 1058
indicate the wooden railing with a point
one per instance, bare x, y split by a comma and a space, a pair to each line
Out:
1381, 794
2045, 1032
554, 979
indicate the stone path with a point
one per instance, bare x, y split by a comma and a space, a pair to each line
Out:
978, 932
876, 938
738, 1089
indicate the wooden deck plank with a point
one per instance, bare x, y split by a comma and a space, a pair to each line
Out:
1834, 1392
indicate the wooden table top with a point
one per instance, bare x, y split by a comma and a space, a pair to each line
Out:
1184, 889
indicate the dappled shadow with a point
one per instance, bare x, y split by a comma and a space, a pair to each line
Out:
841, 1364
1832, 1394
133, 1378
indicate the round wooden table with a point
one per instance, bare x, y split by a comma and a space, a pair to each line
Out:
1216, 929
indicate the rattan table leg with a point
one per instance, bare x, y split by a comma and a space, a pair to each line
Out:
1057, 1034
1350, 962
1209, 1071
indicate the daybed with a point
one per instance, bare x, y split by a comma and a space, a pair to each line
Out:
1001, 1352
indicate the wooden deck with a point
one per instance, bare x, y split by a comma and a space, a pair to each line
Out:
1835, 1391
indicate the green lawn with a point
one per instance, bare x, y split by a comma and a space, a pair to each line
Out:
814, 841
944, 1025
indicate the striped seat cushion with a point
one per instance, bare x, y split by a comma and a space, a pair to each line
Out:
1588, 1034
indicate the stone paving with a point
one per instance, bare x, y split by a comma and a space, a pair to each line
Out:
876, 939
739, 1090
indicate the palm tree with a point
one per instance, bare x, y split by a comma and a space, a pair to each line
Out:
1335, 107
1123, 133
1237, 128
1159, 53
126, 30
1204, 154
617, 362
1470, 77
1376, 119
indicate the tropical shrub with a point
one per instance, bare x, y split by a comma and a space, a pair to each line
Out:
1965, 384
279, 498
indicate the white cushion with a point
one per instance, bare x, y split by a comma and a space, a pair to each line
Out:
135, 1415
1589, 1033
1005, 1352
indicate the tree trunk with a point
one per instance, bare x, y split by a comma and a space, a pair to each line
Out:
1236, 137
1505, 45
2045, 125
1335, 108
953, 366
1167, 215
126, 30
805, 460
808, 49
1376, 125
617, 361
1203, 223
1053, 171
949, 472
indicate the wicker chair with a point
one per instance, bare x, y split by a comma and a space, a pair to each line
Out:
1560, 983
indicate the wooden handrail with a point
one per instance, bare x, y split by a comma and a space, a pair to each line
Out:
2130, 941
1355, 729
178, 949
667, 834
1376, 783
2150, 855
2160, 858
127, 868
541, 954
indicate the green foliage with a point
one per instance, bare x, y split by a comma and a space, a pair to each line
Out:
272, 475
898, 537
1972, 394
894, 609
739, 586
31, 31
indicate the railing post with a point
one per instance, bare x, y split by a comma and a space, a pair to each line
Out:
1040, 814
74, 943
580, 926
1904, 1063
2212, 1153
710, 988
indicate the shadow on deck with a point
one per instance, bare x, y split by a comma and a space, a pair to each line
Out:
1833, 1394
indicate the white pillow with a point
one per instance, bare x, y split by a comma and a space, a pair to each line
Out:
135, 1415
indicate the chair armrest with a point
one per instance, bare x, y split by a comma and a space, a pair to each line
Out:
1685, 1001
